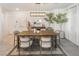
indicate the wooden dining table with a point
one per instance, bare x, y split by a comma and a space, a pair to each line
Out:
46, 33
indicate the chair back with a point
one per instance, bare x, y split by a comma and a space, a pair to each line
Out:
45, 42
25, 42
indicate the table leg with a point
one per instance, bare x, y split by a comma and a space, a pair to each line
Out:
51, 45
14, 40
40, 48
59, 39
55, 41
29, 48
18, 45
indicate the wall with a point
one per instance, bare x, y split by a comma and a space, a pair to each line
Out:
72, 26
18, 20
0, 28
1, 24
15, 21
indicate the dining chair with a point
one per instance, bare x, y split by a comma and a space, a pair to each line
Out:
25, 42
46, 43
61, 35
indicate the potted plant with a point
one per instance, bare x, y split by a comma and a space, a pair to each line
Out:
60, 19
50, 18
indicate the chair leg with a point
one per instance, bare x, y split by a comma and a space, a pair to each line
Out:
51, 45
18, 45
29, 49
59, 40
55, 42
40, 48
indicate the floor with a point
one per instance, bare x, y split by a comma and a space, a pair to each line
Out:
6, 45
34, 50
68, 47
26, 52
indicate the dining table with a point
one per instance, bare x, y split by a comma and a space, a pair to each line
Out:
45, 33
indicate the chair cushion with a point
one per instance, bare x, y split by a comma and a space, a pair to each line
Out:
45, 38
24, 38
45, 44
25, 44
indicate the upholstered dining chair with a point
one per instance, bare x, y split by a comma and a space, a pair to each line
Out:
25, 42
61, 35
45, 42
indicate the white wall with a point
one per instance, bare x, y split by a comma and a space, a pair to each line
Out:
0, 29
72, 26
1, 24
10, 21
22, 17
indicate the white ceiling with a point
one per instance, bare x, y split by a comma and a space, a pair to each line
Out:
34, 6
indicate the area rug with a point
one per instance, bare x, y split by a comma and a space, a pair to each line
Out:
37, 52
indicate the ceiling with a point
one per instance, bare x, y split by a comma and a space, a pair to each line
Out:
33, 6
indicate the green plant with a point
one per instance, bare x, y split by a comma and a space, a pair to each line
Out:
61, 18
50, 17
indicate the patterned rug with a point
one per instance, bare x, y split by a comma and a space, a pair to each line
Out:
36, 50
